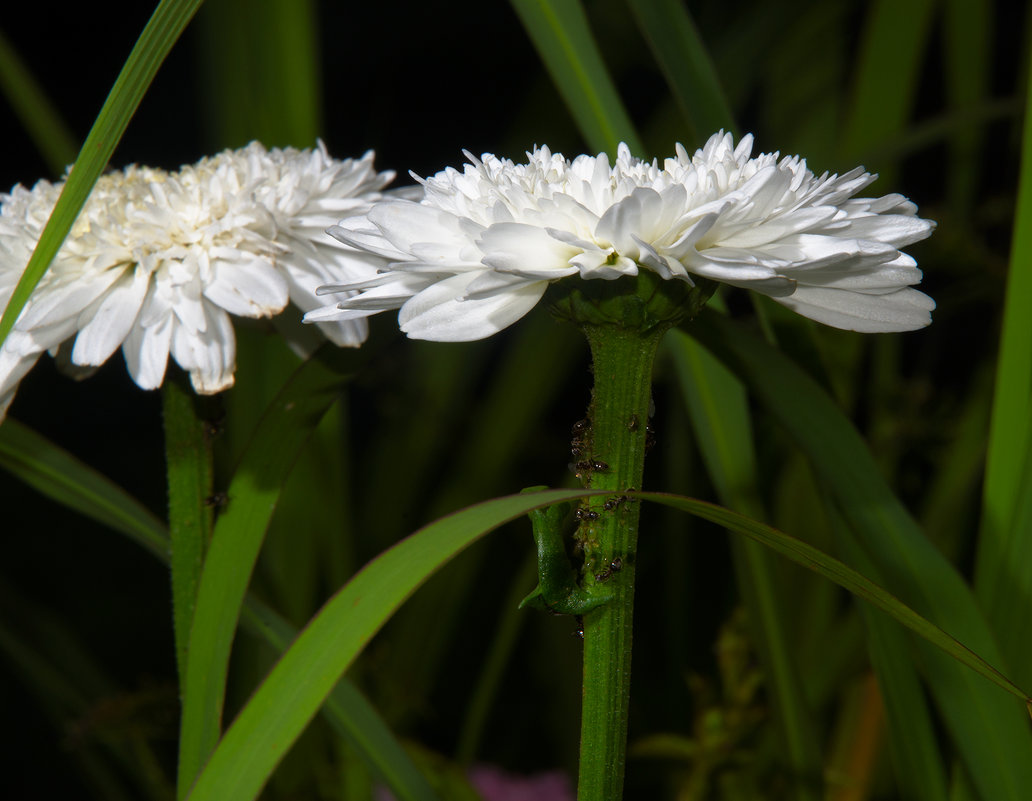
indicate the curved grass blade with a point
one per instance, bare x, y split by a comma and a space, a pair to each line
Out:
560, 32
150, 50
236, 541
299, 683
682, 55
60, 476
993, 738
351, 714
813, 559
38, 115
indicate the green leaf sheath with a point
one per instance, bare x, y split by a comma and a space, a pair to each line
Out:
188, 469
236, 541
612, 458
154, 44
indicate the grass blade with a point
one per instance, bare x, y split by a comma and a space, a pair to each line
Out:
154, 44
560, 32
676, 44
298, 684
993, 738
351, 715
235, 544
813, 559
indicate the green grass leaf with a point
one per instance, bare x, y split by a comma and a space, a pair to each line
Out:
351, 714
154, 44
300, 682
236, 541
562, 36
993, 738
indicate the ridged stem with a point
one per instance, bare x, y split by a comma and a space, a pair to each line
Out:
611, 449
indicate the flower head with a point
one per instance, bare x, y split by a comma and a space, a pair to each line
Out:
158, 261
477, 252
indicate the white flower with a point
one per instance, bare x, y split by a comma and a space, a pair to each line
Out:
158, 261
480, 248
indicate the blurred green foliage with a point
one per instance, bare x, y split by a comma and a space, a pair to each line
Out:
929, 94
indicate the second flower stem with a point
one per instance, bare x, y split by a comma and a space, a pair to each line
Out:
611, 447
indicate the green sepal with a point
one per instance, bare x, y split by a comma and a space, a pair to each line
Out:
557, 590
634, 303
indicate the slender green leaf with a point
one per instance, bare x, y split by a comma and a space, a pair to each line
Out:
37, 114
811, 558
294, 690
300, 682
682, 55
237, 539
351, 714
1000, 581
993, 738
154, 44
562, 36
60, 476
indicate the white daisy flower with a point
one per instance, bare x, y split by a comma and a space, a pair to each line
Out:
158, 261
477, 252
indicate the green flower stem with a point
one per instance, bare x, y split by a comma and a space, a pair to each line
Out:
610, 449
190, 510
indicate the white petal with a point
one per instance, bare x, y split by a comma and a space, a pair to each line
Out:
525, 250
438, 313
209, 356
251, 289
146, 352
112, 320
903, 310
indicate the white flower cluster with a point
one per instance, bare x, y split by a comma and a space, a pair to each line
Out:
477, 252
158, 261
